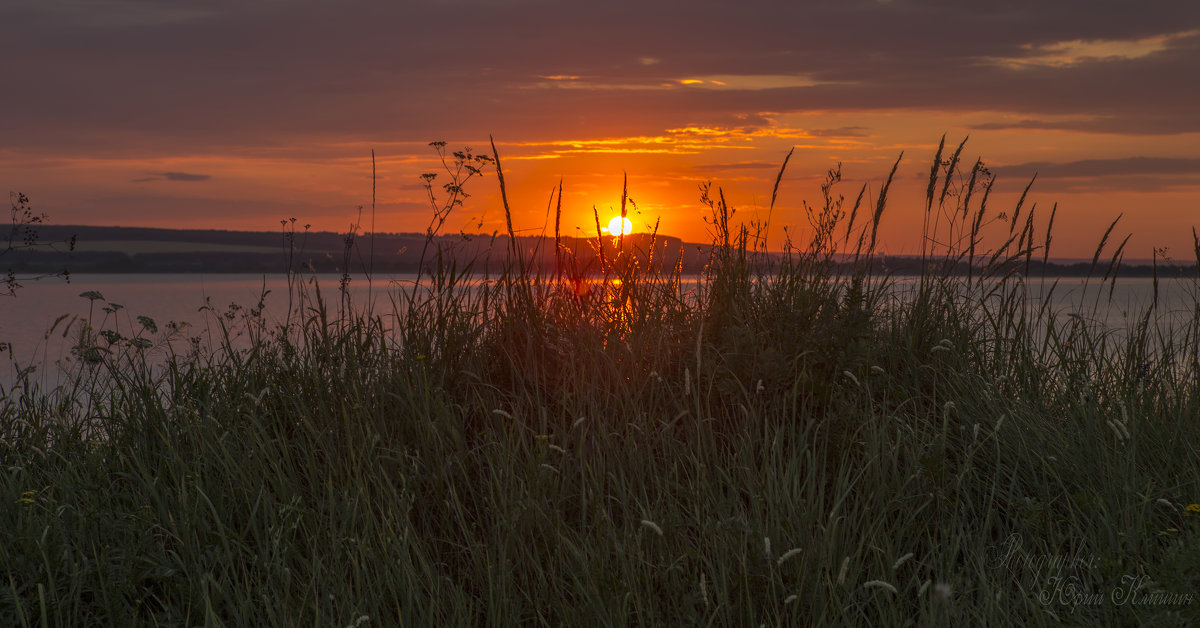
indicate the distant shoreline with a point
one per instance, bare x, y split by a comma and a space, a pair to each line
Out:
144, 250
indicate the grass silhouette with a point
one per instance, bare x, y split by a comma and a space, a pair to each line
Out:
788, 441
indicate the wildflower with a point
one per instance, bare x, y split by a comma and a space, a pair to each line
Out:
542, 436
1192, 509
880, 584
901, 560
788, 554
653, 527
27, 497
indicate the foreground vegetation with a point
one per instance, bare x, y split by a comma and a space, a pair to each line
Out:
779, 444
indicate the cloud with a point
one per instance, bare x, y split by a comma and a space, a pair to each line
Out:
1105, 167
173, 176
200, 211
247, 76
1126, 174
1148, 124
844, 131
1067, 53
740, 165
108, 14
184, 176
751, 82
1031, 124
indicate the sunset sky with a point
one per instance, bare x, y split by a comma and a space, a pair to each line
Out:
236, 115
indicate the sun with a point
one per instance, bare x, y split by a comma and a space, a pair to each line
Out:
620, 226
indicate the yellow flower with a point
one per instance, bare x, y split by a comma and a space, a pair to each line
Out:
27, 497
1192, 509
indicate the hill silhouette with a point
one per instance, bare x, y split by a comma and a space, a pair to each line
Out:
157, 250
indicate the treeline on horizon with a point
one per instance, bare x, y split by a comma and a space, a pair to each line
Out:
330, 252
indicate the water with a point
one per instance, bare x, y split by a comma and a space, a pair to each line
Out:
1119, 309
26, 319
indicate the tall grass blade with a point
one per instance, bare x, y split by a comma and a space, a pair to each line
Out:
887, 183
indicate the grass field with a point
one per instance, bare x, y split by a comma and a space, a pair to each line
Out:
784, 445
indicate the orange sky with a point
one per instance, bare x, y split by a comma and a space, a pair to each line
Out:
233, 116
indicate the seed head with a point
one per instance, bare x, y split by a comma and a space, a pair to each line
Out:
795, 551
879, 584
653, 527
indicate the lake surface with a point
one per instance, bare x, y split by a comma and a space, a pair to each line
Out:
26, 319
